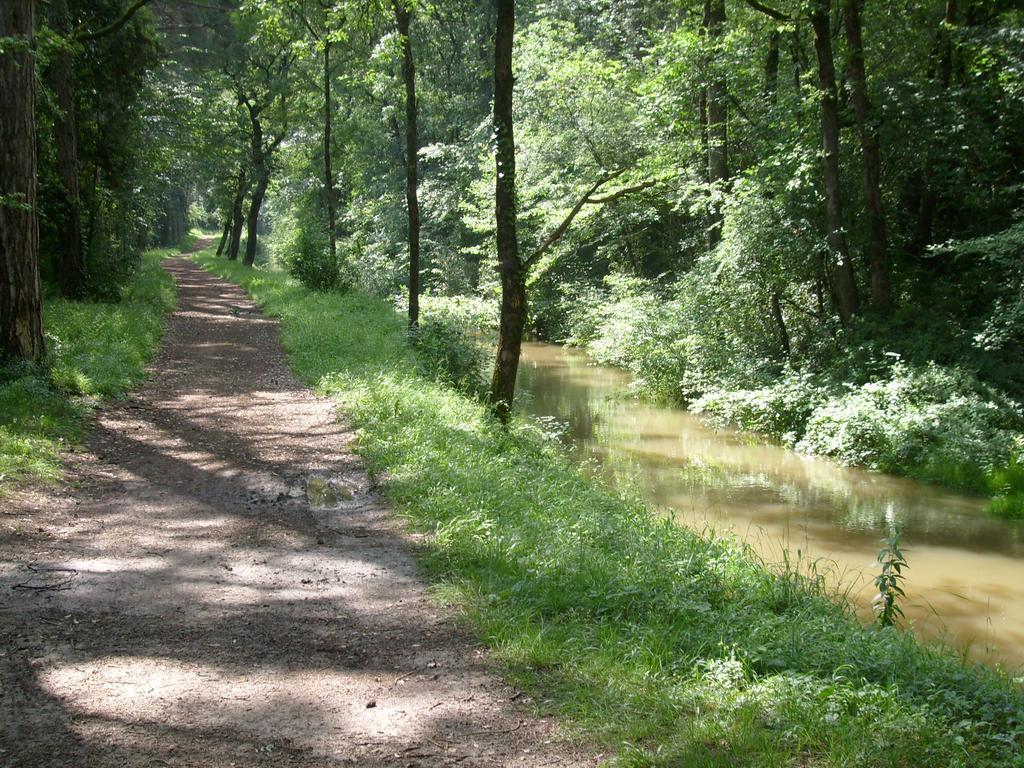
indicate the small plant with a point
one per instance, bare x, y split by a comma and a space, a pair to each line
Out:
890, 581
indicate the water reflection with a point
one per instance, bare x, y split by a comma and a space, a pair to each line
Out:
966, 568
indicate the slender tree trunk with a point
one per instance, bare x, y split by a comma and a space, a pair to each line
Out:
261, 177
771, 68
845, 285
236, 216
70, 257
252, 219
718, 119
513, 285
402, 19
332, 203
924, 231
224, 236
877, 247
21, 311
780, 322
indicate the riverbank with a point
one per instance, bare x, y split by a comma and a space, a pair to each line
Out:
96, 350
656, 643
903, 397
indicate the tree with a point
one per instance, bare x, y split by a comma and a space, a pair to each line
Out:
844, 282
21, 316
877, 247
70, 257
513, 284
403, 17
262, 88
717, 117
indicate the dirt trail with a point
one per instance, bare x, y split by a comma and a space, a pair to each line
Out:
184, 602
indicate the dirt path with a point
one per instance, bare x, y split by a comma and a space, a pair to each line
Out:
184, 603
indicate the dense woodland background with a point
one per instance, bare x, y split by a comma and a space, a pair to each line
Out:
800, 217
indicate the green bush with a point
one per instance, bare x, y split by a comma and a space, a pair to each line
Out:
780, 411
934, 423
448, 353
300, 244
1006, 484
308, 259
632, 326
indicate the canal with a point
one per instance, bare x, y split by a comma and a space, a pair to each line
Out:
966, 575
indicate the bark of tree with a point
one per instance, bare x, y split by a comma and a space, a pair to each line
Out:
771, 68
513, 287
924, 230
70, 256
877, 245
260, 180
718, 118
236, 216
331, 202
252, 219
403, 20
780, 322
21, 315
844, 283
224, 236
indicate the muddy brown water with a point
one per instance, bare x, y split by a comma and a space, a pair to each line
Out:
965, 582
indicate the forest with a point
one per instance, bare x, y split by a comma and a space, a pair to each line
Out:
801, 221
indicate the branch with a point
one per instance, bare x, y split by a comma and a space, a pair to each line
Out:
622, 192
112, 26
560, 229
768, 10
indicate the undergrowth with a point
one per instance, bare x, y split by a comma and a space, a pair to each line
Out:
95, 350
664, 647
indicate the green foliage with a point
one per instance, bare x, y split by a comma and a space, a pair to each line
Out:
934, 423
890, 582
452, 342
666, 647
301, 244
96, 350
708, 347
447, 353
631, 325
1006, 484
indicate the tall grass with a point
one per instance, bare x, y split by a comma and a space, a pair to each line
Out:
662, 646
95, 350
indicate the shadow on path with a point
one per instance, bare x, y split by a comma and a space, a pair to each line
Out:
182, 602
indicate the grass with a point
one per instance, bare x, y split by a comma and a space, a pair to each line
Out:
95, 350
661, 646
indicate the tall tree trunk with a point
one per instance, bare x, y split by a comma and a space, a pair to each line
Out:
513, 285
259, 190
332, 203
21, 311
718, 118
845, 285
224, 236
771, 68
402, 19
780, 322
877, 247
236, 216
261, 177
924, 231
70, 256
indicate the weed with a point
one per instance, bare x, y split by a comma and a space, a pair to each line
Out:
890, 581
